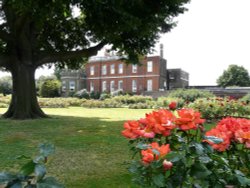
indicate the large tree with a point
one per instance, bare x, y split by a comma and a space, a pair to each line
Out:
234, 76
37, 32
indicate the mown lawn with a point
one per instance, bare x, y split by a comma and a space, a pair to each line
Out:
90, 151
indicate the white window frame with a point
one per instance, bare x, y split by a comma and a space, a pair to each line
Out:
134, 68
134, 86
112, 69
120, 68
149, 85
150, 66
92, 87
92, 70
120, 85
72, 85
104, 86
104, 69
112, 86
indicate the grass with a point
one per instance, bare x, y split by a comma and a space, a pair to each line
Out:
90, 151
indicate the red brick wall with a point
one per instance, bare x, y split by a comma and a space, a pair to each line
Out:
141, 76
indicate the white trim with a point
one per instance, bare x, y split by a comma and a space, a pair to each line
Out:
134, 76
72, 77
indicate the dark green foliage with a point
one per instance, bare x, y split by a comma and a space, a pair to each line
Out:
246, 98
50, 88
190, 95
234, 76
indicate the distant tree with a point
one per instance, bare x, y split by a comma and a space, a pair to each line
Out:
42, 79
50, 88
37, 32
234, 76
6, 85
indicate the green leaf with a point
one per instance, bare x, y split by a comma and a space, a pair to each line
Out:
159, 180
49, 182
6, 177
213, 139
40, 171
28, 168
243, 180
16, 185
205, 159
174, 156
199, 170
22, 157
142, 146
199, 148
46, 149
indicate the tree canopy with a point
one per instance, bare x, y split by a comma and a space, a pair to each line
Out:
234, 76
37, 32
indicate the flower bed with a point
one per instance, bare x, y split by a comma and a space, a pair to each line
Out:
173, 150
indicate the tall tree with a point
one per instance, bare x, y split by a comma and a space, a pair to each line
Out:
234, 76
38, 32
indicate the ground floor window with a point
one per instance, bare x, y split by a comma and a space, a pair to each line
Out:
92, 87
72, 85
112, 86
104, 86
120, 85
149, 85
134, 86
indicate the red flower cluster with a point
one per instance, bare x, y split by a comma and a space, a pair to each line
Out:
188, 119
230, 129
161, 122
154, 152
172, 105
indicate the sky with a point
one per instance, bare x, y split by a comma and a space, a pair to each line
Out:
209, 37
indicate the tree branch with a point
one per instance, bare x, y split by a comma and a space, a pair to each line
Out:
63, 56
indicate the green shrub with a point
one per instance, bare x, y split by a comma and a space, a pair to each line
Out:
5, 99
190, 95
82, 94
50, 88
108, 103
246, 98
165, 101
127, 99
95, 95
216, 108
2, 105
140, 106
53, 103
104, 96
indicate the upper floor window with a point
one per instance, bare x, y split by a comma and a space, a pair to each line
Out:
112, 69
150, 66
72, 85
92, 70
134, 68
104, 70
134, 86
120, 68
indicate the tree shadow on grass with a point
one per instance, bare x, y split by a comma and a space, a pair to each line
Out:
90, 152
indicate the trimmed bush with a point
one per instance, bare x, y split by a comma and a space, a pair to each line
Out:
2, 105
190, 95
165, 101
127, 99
82, 94
50, 88
246, 98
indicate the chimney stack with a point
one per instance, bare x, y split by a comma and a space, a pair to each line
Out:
161, 50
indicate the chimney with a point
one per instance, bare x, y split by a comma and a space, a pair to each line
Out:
161, 50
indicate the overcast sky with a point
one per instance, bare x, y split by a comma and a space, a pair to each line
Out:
209, 37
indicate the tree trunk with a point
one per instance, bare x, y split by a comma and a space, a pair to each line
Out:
24, 104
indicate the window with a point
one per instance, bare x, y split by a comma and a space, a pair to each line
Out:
64, 85
92, 70
112, 69
150, 66
120, 85
104, 86
72, 85
92, 87
120, 68
112, 86
134, 86
104, 70
149, 85
134, 68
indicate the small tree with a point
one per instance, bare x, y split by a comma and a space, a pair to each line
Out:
234, 76
50, 88
6, 85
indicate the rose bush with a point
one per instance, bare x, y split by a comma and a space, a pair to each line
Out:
171, 149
